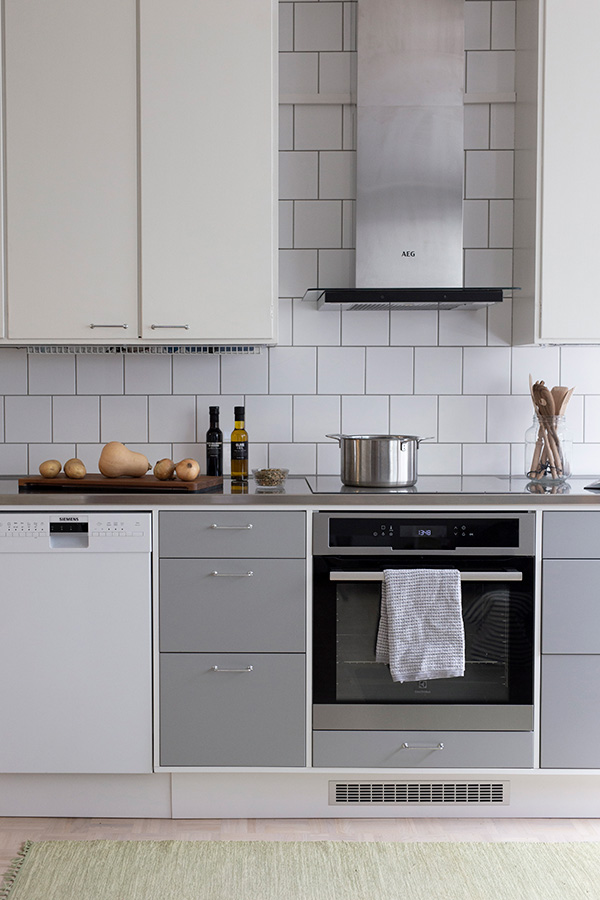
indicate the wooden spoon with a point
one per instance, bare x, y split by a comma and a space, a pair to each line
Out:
565, 400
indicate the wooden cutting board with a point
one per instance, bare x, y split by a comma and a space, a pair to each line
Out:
96, 482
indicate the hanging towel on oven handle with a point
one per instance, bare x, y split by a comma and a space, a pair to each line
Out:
421, 632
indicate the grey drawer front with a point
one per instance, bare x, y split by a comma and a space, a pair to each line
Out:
571, 535
232, 611
571, 606
383, 749
228, 718
191, 534
570, 725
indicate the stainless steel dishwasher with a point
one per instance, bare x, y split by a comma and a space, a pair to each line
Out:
75, 667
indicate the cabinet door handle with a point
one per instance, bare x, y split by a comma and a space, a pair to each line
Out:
232, 527
406, 746
245, 669
95, 325
233, 574
154, 326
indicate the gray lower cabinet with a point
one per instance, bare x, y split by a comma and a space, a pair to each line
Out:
423, 749
232, 709
232, 638
570, 669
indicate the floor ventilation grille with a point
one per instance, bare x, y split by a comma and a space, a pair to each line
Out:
172, 349
404, 792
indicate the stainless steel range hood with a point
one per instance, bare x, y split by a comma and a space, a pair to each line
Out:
410, 160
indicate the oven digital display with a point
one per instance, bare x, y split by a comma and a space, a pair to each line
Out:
423, 531
427, 534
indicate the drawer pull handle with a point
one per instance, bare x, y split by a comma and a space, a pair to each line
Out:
406, 746
95, 325
154, 326
232, 527
245, 669
233, 574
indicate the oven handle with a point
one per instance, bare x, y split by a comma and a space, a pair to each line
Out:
464, 576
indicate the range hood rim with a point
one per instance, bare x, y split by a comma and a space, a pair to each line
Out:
405, 298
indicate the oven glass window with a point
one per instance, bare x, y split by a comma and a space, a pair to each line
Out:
498, 649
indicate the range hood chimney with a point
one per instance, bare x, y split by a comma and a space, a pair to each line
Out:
410, 160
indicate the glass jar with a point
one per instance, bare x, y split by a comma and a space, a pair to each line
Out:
548, 448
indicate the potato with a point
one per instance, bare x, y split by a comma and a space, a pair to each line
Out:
74, 468
50, 468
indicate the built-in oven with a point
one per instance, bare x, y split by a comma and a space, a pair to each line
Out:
494, 554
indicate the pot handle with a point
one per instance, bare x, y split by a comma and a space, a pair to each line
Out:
420, 440
335, 437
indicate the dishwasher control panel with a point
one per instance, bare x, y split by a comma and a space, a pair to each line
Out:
66, 531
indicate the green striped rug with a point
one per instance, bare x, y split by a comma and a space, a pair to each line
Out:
302, 870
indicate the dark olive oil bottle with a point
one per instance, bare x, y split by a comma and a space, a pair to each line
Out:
239, 446
214, 444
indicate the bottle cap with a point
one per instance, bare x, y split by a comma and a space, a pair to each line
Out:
239, 413
213, 410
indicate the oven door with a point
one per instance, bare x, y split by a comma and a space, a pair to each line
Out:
353, 692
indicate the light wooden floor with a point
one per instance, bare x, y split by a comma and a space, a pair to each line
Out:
13, 831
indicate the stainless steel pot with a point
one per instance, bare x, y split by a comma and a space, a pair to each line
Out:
378, 460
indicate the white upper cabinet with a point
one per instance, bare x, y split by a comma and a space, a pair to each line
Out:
71, 170
557, 236
208, 164
140, 171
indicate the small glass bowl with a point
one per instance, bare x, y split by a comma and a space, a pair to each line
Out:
270, 479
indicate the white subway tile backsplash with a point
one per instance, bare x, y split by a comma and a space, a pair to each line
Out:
311, 326
491, 268
486, 459
285, 322
13, 371
318, 26
123, 419
245, 374
341, 370
489, 174
196, 374
463, 327
315, 416
298, 73
75, 419
13, 459
542, 363
337, 175
477, 126
486, 370
348, 225
439, 459
51, 374
586, 461
592, 420
438, 370
365, 414
269, 418
502, 126
286, 126
476, 223
336, 73
416, 414
318, 127
580, 368
171, 419
492, 71
292, 370
148, 374
500, 323
414, 327
299, 175
318, 223
336, 268
503, 24
478, 25
389, 370
508, 418
286, 27
100, 373
367, 327
328, 459
298, 458
501, 223
27, 419
297, 272
462, 419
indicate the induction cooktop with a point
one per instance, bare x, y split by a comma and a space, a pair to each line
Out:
449, 484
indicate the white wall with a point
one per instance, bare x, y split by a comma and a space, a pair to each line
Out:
453, 375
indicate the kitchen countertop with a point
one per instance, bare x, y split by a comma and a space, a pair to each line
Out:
325, 491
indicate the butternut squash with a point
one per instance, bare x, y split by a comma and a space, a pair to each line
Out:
187, 469
116, 460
